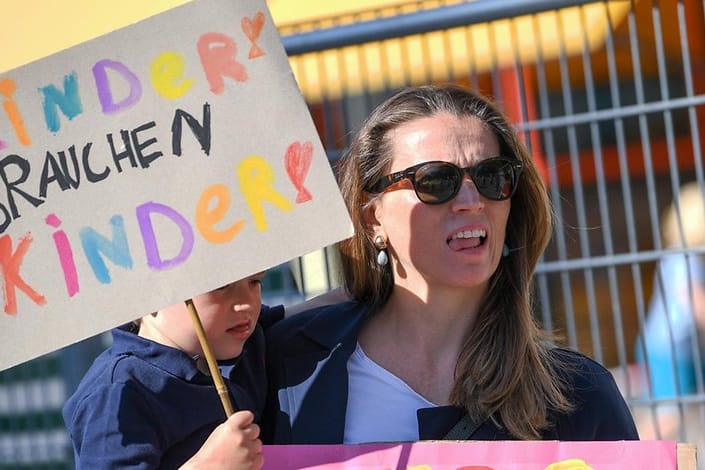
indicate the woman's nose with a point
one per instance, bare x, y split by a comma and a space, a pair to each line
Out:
468, 198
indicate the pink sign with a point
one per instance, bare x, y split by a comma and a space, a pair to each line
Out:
476, 455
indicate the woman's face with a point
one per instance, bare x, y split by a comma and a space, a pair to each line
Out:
454, 244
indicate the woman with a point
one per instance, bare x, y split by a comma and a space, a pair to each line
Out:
439, 340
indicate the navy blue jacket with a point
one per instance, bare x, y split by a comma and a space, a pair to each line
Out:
307, 358
143, 405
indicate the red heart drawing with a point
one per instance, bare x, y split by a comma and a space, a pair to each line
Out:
298, 161
252, 29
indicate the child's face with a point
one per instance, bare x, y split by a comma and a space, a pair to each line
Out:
228, 315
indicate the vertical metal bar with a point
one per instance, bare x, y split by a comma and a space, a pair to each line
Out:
644, 134
675, 183
602, 198
665, 96
327, 268
697, 338
494, 67
554, 188
321, 58
579, 198
384, 67
365, 97
541, 280
472, 56
673, 164
644, 130
365, 80
690, 92
404, 55
545, 301
624, 179
343, 108
300, 276
426, 57
519, 71
649, 177
449, 56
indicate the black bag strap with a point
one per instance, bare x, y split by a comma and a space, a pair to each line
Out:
463, 429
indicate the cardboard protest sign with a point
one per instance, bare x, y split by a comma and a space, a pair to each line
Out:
476, 455
149, 165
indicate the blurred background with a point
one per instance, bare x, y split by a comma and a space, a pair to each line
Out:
609, 97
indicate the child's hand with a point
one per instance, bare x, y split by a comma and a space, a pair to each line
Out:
233, 445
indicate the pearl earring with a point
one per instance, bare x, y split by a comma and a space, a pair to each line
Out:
381, 245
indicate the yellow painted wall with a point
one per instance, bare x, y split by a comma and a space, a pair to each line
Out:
32, 29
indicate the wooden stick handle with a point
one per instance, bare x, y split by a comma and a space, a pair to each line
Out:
212, 364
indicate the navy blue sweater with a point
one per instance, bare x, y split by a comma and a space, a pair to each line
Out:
307, 358
143, 405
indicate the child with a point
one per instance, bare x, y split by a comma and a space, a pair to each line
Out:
148, 401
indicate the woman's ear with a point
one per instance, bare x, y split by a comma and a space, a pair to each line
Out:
369, 217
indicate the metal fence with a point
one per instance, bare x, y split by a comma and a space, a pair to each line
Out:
608, 96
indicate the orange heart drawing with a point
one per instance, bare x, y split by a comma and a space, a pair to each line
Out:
298, 161
252, 29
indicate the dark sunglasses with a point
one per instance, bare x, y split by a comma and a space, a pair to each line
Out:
437, 182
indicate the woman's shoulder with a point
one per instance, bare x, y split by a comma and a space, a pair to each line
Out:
577, 362
581, 373
599, 410
325, 324
322, 316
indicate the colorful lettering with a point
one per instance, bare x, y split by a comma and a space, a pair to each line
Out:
7, 218
202, 132
154, 259
63, 248
116, 250
217, 52
65, 170
10, 263
53, 172
298, 161
7, 89
140, 146
11, 186
68, 101
102, 84
206, 218
121, 152
91, 176
256, 179
167, 73
133, 147
252, 29
118, 88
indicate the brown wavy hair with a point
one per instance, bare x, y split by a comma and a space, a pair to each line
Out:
505, 370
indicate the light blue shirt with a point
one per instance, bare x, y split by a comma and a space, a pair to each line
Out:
675, 349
